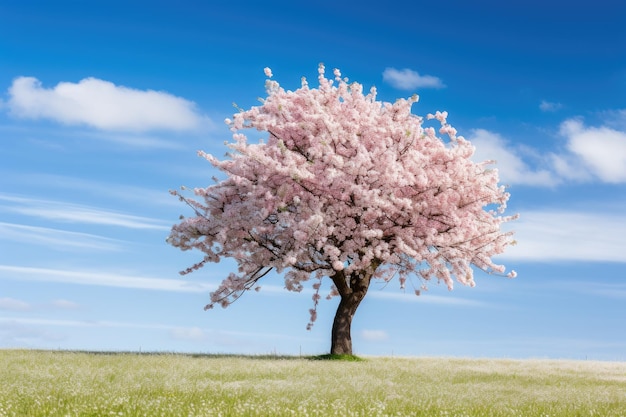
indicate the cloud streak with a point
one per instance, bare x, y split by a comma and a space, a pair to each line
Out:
107, 279
86, 187
102, 105
56, 239
175, 332
374, 335
79, 323
12, 304
194, 334
407, 79
132, 140
569, 236
111, 279
426, 298
62, 304
74, 213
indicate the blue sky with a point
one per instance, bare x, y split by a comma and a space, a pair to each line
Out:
103, 106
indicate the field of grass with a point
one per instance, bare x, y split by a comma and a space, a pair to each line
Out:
40, 383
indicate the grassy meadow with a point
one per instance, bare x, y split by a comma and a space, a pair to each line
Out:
44, 383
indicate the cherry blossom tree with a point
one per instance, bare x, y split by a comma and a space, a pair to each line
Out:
345, 188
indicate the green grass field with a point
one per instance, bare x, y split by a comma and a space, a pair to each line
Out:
39, 383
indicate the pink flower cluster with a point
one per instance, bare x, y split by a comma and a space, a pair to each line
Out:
344, 182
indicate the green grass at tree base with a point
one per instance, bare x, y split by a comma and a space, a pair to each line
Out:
334, 357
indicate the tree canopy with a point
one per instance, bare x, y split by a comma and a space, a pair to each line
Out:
345, 187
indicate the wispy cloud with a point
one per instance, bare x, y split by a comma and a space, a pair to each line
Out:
75, 213
111, 279
410, 297
407, 79
14, 332
602, 150
82, 186
56, 239
221, 337
12, 304
132, 140
608, 290
107, 279
374, 335
55, 139
80, 323
615, 119
511, 167
569, 236
62, 304
548, 106
195, 334
590, 153
103, 105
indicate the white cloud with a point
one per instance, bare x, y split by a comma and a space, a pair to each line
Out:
55, 238
44, 136
110, 279
132, 140
117, 191
74, 213
13, 304
590, 153
425, 297
14, 333
113, 279
548, 106
608, 290
195, 334
80, 323
511, 168
615, 119
601, 149
407, 79
569, 167
374, 335
21, 331
568, 236
103, 105
62, 304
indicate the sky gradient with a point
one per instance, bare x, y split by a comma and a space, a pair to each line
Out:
104, 105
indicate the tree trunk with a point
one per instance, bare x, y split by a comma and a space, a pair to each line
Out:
352, 293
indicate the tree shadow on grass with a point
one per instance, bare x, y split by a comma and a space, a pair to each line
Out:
272, 356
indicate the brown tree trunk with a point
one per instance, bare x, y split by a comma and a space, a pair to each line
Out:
352, 292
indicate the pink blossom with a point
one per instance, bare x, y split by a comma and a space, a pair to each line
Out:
345, 184
338, 265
